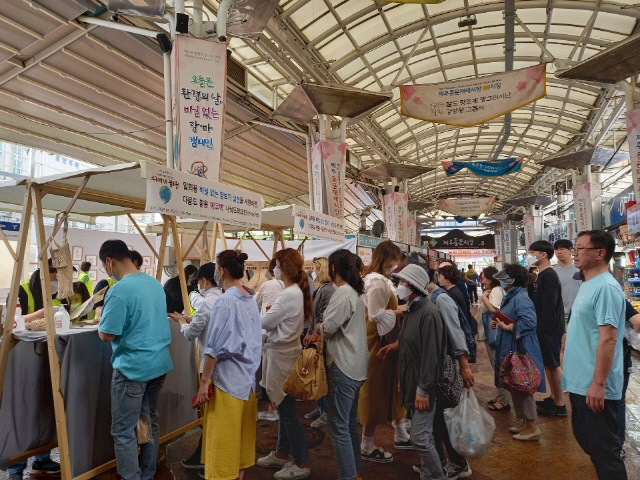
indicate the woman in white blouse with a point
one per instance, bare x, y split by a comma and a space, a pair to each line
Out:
284, 323
379, 397
489, 304
270, 290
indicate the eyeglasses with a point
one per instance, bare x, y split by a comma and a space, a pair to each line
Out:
577, 249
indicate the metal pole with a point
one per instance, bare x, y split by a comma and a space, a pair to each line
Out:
118, 26
168, 115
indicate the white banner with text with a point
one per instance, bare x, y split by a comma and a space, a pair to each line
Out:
317, 225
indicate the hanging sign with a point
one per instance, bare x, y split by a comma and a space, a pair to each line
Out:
633, 137
316, 177
412, 232
365, 253
317, 225
565, 230
532, 229
498, 244
582, 204
633, 219
485, 169
334, 159
507, 242
199, 78
11, 230
457, 239
466, 207
466, 103
615, 209
478, 252
173, 192
395, 216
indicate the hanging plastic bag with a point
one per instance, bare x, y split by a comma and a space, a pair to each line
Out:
470, 427
143, 431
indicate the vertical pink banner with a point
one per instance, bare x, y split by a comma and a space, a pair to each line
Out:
389, 216
582, 204
528, 223
412, 232
633, 137
395, 216
334, 159
316, 177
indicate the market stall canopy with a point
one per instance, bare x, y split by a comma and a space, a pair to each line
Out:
600, 156
402, 171
307, 101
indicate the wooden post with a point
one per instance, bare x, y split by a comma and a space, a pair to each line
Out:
144, 237
205, 254
213, 242
178, 247
223, 239
23, 240
240, 239
163, 247
192, 241
258, 245
54, 363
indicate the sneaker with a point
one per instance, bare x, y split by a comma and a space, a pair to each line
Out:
271, 461
622, 453
463, 472
450, 470
377, 455
291, 471
313, 414
407, 424
406, 445
270, 416
192, 463
321, 421
45, 466
553, 411
547, 402
416, 468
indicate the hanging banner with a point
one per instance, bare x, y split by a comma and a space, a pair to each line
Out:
633, 219
582, 204
199, 79
466, 207
11, 230
498, 244
412, 232
565, 230
365, 253
614, 210
395, 216
507, 242
633, 137
466, 103
532, 229
317, 225
334, 159
456, 239
173, 192
316, 177
485, 169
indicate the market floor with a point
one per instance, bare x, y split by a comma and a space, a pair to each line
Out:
555, 456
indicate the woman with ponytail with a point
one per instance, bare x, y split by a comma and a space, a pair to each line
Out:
347, 358
284, 323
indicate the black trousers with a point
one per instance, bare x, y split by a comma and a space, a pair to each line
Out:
473, 293
597, 434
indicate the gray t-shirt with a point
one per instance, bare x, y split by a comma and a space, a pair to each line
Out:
570, 285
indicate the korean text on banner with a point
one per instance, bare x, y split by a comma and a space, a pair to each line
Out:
365, 253
485, 169
498, 244
466, 103
11, 230
507, 242
334, 159
317, 225
199, 76
633, 219
412, 232
395, 216
173, 192
633, 136
582, 204
532, 229
316, 177
466, 207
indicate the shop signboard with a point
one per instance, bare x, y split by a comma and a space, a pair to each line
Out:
633, 219
614, 209
11, 230
317, 225
457, 240
172, 192
469, 102
478, 252
199, 79
367, 241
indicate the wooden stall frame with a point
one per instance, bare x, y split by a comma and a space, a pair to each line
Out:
33, 205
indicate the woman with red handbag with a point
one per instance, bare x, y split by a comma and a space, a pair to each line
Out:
517, 350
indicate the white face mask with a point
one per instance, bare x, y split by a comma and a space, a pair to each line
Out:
531, 261
403, 292
277, 273
54, 287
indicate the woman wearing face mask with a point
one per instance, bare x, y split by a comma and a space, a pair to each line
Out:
80, 295
518, 306
379, 398
195, 328
489, 304
321, 299
284, 323
270, 290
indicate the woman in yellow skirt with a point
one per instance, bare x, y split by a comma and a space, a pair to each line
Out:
227, 383
379, 398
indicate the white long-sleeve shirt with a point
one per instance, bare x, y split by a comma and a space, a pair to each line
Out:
197, 328
377, 293
268, 293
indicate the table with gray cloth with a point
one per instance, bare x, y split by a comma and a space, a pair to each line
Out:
27, 419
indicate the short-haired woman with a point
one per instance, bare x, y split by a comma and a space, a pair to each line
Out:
518, 306
231, 359
284, 323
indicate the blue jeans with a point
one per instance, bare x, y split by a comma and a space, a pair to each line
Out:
423, 441
18, 467
129, 401
342, 408
291, 439
621, 404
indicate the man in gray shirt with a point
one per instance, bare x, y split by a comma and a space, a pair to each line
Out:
566, 271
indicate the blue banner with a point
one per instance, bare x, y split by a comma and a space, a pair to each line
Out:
485, 169
614, 210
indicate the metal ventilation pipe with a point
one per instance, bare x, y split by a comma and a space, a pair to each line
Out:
509, 48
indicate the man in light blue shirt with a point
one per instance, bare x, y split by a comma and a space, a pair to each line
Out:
134, 319
593, 355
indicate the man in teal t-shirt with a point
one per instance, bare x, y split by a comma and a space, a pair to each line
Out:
593, 355
134, 319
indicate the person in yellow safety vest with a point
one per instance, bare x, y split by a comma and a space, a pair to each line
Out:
84, 275
136, 258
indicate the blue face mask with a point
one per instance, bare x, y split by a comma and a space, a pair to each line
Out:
504, 285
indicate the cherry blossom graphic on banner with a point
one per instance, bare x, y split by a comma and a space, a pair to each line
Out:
633, 136
199, 79
316, 177
469, 102
466, 207
396, 207
334, 159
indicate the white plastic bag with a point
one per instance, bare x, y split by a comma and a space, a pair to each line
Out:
470, 426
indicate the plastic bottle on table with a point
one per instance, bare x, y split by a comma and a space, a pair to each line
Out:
18, 321
62, 320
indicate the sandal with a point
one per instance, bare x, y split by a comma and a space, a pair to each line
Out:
377, 455
501, 408
492, 401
